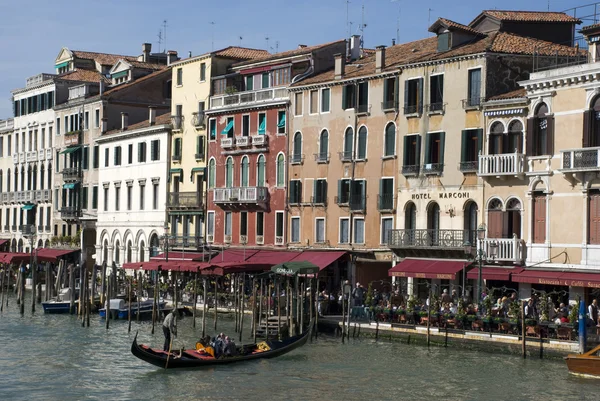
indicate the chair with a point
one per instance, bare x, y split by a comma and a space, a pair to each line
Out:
563, 333
533, 331
504, 327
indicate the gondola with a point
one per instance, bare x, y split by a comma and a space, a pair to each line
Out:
189, 358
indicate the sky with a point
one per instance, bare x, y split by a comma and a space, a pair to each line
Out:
33, 32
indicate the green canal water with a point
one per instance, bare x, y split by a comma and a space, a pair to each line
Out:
51, 357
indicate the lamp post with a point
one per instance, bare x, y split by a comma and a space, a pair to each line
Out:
166, 238
481, 256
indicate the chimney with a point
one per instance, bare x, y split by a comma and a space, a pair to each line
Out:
302, 46
171, 57
124, 121
101, 87
354, 47
152, 117
104, 125
190, 54
379, 59
340, 65
393, 42
146, 48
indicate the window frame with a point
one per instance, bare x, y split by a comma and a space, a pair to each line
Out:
301, 96
347, 219
279, 213
385, 134
321, 103
298, 221
381, 234
316, 233
354, 221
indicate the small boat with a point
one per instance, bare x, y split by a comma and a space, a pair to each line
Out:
120, 310
190, 358
587, 364
59, 304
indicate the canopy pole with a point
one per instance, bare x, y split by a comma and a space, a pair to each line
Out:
195, 299
234, 286
92, 281
316, 304
204, 308
216, 305
288, 301
254, 309
278, 289
154, 301
302, 294
260, 305
310, 307
140, 286
89, 299
72, 288
80, 298
269, 299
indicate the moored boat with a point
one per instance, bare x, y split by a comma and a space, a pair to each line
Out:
59, 304
587, 364
120, 310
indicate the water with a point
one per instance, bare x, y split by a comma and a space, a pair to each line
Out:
51, 357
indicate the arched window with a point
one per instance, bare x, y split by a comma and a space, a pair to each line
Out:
297, 154
245, 166
154, 245
324, 146
513, 218
515, 137
8, 180
542, 129
128, 257
42, 177
24, 178
348, 143
495, 218
229, 173
16, 186
49, 186
280, 170
410, 216
117, 256
34, 178
389, 147
362, 143
260, 173
591, 125
433, 223
142, 252
105, 252
470, 222
496, 138
29, 182
211, 173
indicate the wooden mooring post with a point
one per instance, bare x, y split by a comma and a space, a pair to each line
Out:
204, 307
129, 291
242, 305
523, 331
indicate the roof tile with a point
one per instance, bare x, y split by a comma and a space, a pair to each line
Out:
241, 53
530, 16
102, 58
83, 76
160, 120
455, 25
517, 93
289, 53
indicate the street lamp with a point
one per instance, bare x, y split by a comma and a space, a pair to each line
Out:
481, 255
166, 238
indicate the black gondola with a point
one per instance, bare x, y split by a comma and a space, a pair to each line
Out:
189, 358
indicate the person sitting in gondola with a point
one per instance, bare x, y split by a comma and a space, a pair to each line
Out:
229, 349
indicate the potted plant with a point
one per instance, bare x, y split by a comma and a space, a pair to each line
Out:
574, 313
369, 297
411, 304
544, 316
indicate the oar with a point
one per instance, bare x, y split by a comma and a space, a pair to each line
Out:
170, 345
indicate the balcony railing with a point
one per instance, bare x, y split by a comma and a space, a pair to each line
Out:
31, 156
345, 156
259, 140
584, 159
358, 203
386, 202
318, 200
436, 107
27, 229
71, 174
249, 98
186, 241
70, 212
184, 199
199, 156
363, 109
40, 228
13, 227
39, 195
6, 227
198, 119
509, 249
226, 142
389, 105
321, 157
48, 229
242, 141
343, 200
241, 195
433, 168
72, 138
506, 164
176, 158
177, 122
468, 167
411, 170
411, 109
425, 238
48, 154
472, 102
296, 158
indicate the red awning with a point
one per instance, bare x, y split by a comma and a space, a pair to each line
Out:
572, 279
319, 258
175, 255
428, 268
591, 280
271, 257
3, 241
234, 255
54, 253
493, 273
11, 257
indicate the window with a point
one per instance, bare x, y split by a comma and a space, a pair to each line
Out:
389, 146
436, 93
200, 147
361, 152
359, 231
210, 223
343, 196
246, 125
363, 97
155, 196
260, 227
85, 158
472, 140
348, 96
387, 224
320, 191
176, 149
202, 72
413, 96
295, 230
265, 80
280, 171
390, 94
319, 230
540, 133
229, 128
228, 224
298, 99
249, 82
142, 196
474, 95
386, 194
325, 100
2, 147
129, 196
154, 150
117, 154
86, 119
219, 86
434, 153
117, 198
260, 173
314, 102
297, 154
106, 199
106, 157
281, 125
358, 195
58, 126
243, 226
245, 170
348, 144
229, 173
295, 192
96, 157
539, 218
179, 77
279, 228
212, 127
262, 123
412, 154
211, 173
323, 155
281, 76
130, 153
97, 118
95, 197
344, 234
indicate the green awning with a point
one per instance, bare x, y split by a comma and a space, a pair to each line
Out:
176, 171
61, 65
198, 170
227, 128
70, 150
69, 186
281, 123
119, 74
28, 206
293, 268
263, 126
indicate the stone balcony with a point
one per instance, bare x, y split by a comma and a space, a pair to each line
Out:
426, 238
502, 165
71, 174
32, 156
40, 195
580, 160
239, 195
509, 249
249, 98
184, 200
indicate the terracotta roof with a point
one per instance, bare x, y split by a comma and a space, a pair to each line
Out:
160, 120
289, 53
241, 53
102, 58
425, 50
137, 81
147, 66
518, 93
83, 76
451, 25
589, 28
529, 16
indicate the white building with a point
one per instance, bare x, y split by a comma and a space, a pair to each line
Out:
6, 163
133, 188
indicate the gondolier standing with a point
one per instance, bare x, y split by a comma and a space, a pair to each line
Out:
169, 329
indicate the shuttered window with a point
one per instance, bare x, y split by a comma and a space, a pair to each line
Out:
495, 219
594, 219
539, 218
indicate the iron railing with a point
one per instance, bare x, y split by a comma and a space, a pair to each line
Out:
581, 159
184, 199
429, 238
468, 167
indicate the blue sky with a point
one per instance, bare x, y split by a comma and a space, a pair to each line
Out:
33, 32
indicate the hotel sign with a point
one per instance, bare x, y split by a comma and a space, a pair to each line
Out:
442, 195
425, 275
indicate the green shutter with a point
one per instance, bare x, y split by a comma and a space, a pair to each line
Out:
418, 151
84, 198
385, 92
479, 141
152, 146
339, 195
380, 200
420, 104
405, 151
427, 146
85, 159
464, 145
405, 96
115, 155
442, 147
344, 98
396, 91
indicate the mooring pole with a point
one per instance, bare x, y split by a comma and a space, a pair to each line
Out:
254, 306
195, 299
129, 290
523, 331
216, 305
278, 289
242, 305
204, 301
107, 309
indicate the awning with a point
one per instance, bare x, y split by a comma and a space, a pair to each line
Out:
198, 170
228, 127
293, 268
428, 268
271, 258
176, 171
319, 258
549, 277
3, 241
493, 273
119, 74
69, 186
41, 255
61, 65
233, 255
591, 280
54, 253
281, 123
28, 206
181, 255
70, 150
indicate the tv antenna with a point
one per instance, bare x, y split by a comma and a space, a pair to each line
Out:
267, 39
348, 23
165, 33
429, 17
241, 40
362, 27
397, 21
160, 39
212, 35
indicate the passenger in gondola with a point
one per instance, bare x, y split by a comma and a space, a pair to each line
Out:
230, 349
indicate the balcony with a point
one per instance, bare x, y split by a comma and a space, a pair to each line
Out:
13, 227
436, 108
363, 109
249, 98
580, 160
342, 200
184, 200
389, 105
72, 138
199, 156
425, 238
260, 240
386, 203
319, 200
358, 203
15, 157
411, 170
48, 154
296, 158
433, 169
321, 157
199, 119
41, 155
71, 174
70, 213
177, 122
6, 228
43, 195
227, 142
19, 157
509, 249
48, 229
40, 228
31, 156
27, 229
468, 167
238, 195
345, 156
186, 241
278, 240
502, 165
242, 141
176, 158
472, 103
260, 140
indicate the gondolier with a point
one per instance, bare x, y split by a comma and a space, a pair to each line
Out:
169, 329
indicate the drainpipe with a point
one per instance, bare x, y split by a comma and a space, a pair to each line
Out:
287, 172
350, 213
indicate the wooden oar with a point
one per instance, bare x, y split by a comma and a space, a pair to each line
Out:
170, 346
